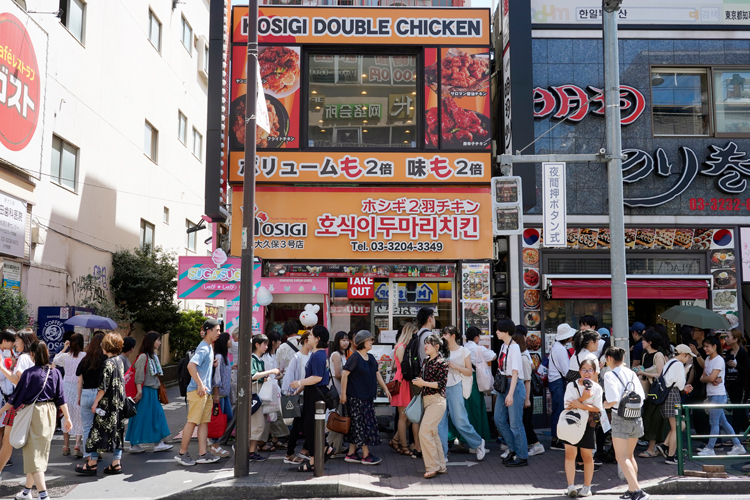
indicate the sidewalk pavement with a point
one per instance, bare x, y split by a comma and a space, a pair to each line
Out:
400, 475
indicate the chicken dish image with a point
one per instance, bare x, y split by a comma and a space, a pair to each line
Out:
237, 125
460, 71
261, 137
459, 125
279, 69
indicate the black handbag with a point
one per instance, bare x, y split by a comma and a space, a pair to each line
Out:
290, 406
501, 381
129, 409
330, 396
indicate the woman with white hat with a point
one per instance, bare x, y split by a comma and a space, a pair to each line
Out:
559, 359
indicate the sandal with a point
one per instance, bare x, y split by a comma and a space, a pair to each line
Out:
647, 454
77, 452
66, 451
430, 475
328, 454
293, 459
113, 469
268, 447
394, 444
86, 469
305, 467
405, 450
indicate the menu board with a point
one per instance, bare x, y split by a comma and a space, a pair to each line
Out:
476, 296
465, 98
280, 75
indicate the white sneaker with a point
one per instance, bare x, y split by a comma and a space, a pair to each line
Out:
136, 448
707, 452
480, 451
537, 449
505, 454
585, 491
641, 442
737, 449
20, 495
161, 447
572, 492
504, 447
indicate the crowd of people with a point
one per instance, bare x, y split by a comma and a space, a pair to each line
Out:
601, 409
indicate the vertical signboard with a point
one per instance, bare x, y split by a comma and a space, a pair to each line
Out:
12, 275
507, 203
555, 212
12, 221
475, 297
745, 253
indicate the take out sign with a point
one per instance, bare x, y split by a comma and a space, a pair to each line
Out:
360, 287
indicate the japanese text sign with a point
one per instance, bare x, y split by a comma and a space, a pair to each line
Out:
402, 26
555, 213
23, 73
12, 225
361, 223
399, 168
360, 287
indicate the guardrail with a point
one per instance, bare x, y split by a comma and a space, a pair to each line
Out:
678, 421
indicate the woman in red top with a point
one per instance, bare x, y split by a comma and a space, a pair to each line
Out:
401, 400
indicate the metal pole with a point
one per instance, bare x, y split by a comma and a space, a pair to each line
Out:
678, 430
320, 438
614, 149
244, 382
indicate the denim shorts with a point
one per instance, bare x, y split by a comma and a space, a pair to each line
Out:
624, 428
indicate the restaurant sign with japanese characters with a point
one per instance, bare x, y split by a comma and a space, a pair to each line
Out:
368, 223
23, 80
555, 216
338, 167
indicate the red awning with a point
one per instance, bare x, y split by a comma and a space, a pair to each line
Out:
637, 289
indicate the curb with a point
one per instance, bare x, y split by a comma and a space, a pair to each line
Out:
700, 486
245, 488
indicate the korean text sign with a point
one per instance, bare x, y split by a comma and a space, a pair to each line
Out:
555, 211
402, 26
333, 166
368, 223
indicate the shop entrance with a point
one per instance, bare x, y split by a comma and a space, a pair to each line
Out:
648, 311
285, 307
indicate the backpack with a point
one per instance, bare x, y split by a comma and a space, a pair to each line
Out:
411, 365
659, 391
537, 385
630, 404
183, 375
574, 375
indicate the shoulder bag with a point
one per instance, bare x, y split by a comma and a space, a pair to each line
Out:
129, 408
572, 424
415, 409
467, 381
19, 433
658, 392
501, 381
574, 375
339, 422
328, 392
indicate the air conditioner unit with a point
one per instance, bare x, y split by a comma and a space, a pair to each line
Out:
202, 48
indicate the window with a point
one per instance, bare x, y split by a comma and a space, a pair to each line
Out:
361, 100
182, 127
732, 100
187, 35
197, 144
147, 234
680, 101
165, 218
189, 237
205, 58
150, 141
74, 17
154, 30
64, 163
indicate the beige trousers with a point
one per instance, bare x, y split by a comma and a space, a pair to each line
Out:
429, 439
41, 430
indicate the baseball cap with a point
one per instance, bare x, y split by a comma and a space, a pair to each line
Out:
210, 323
603, 332
638, 326
683, 349
564, 331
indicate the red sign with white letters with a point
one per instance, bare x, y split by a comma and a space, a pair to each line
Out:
360, 287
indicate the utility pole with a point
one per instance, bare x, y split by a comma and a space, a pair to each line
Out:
612, 156
613, 130
244, 393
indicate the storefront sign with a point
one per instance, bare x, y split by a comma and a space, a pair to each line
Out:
215, 277
571, 103
402, 26
23, 80
375, 270
384, 168
366, 223
12, 223
644, 238
360, 287
350, 309
211, 311
555, 209
691, 13
730, 167
295, 285
12, 275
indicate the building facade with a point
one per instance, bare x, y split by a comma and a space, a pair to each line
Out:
116, 157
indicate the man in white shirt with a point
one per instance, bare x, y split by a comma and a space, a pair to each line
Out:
556, 371
290, 347
625, 432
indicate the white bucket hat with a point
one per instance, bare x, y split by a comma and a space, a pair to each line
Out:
564, 332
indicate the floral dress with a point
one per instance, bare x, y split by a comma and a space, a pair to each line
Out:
107, 432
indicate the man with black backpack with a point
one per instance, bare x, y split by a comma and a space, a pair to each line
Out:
624, 393
425, 323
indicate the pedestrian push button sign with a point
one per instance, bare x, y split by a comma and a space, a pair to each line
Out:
507, 206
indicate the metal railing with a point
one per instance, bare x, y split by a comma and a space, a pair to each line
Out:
678, 425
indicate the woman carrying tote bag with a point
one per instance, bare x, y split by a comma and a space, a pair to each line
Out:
42, 387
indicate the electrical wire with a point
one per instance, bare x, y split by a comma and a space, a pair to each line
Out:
36, 220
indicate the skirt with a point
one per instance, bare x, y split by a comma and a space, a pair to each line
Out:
70, 389
10, 415
149, 425
588, 441
673, 398
477, 410
403, 398
363, 430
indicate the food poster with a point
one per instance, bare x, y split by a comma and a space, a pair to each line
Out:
383, 354
465, 97
475, 296
432, 118
280, 74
